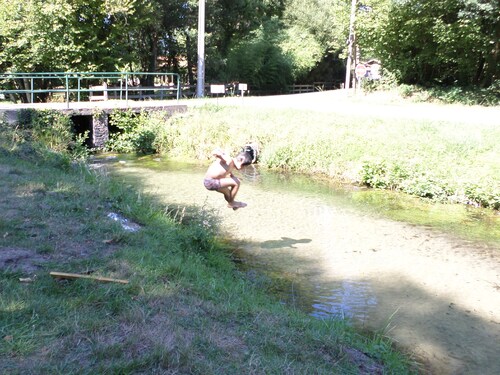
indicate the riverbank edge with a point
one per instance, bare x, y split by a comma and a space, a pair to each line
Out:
175, 257
439, 159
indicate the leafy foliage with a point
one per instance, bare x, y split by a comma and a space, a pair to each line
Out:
264, 42
483, 197
132, 135
46, 136
303, 50
61, 35
415, 180
137, 132
260, 61
445, 42
327, 21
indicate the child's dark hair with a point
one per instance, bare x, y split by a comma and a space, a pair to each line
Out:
246, 157
249, 154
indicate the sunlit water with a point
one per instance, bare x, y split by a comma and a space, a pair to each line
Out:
425, 275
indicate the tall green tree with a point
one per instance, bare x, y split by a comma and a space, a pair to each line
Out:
326, 20
229, 22
326, 24
260, 61
156, 34
449, 42
60, 35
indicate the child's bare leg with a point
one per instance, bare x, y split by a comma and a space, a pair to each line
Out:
229, 187
234, 190
227, 194
231, 203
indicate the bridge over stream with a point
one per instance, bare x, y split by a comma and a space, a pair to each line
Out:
92, 116
89, 98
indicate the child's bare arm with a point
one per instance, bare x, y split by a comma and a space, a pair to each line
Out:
219, 153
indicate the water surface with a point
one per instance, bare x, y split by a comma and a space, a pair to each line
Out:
428, 276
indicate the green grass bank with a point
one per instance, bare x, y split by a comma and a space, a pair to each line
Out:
437, 159
186, 309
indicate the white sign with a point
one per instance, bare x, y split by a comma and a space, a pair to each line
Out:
242, 86
217, 89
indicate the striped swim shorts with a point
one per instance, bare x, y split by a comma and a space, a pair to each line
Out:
211, 183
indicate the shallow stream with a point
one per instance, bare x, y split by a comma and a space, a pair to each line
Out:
428, 276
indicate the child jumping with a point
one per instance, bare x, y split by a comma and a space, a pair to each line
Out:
219, 175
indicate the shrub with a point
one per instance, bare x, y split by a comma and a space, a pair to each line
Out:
405, 178
388, 81
50, 135
482, 196
453, 94
143, 141
374, 174
136, 132
52, 129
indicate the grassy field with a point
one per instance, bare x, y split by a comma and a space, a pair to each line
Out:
186, 308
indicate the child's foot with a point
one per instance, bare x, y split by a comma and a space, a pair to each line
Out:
236, 205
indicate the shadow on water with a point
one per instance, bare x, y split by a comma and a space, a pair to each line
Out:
283, 242
425, 275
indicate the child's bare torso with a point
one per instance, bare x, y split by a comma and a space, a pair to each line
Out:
219, 169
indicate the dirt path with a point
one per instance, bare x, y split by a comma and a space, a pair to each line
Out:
434, 295
382, 105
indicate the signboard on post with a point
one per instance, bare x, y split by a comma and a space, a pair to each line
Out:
360, 70
217, 89
242, 87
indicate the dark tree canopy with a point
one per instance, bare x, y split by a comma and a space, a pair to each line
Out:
262, 42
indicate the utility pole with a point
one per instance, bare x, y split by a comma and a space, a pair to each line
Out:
350, 45
200, 82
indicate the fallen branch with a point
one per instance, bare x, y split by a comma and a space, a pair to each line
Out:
63, 275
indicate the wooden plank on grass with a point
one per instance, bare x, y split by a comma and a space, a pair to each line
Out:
64, 275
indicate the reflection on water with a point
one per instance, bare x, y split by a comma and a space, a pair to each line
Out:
468, 222
351, 300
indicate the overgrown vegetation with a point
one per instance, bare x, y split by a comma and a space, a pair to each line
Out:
438, 160
187, 309
473, 96
136, 133
422, 42
45, 136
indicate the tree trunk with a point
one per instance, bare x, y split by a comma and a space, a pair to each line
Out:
491, 71
153, 58
189, 60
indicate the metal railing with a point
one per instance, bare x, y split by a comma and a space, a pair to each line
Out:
81, 85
